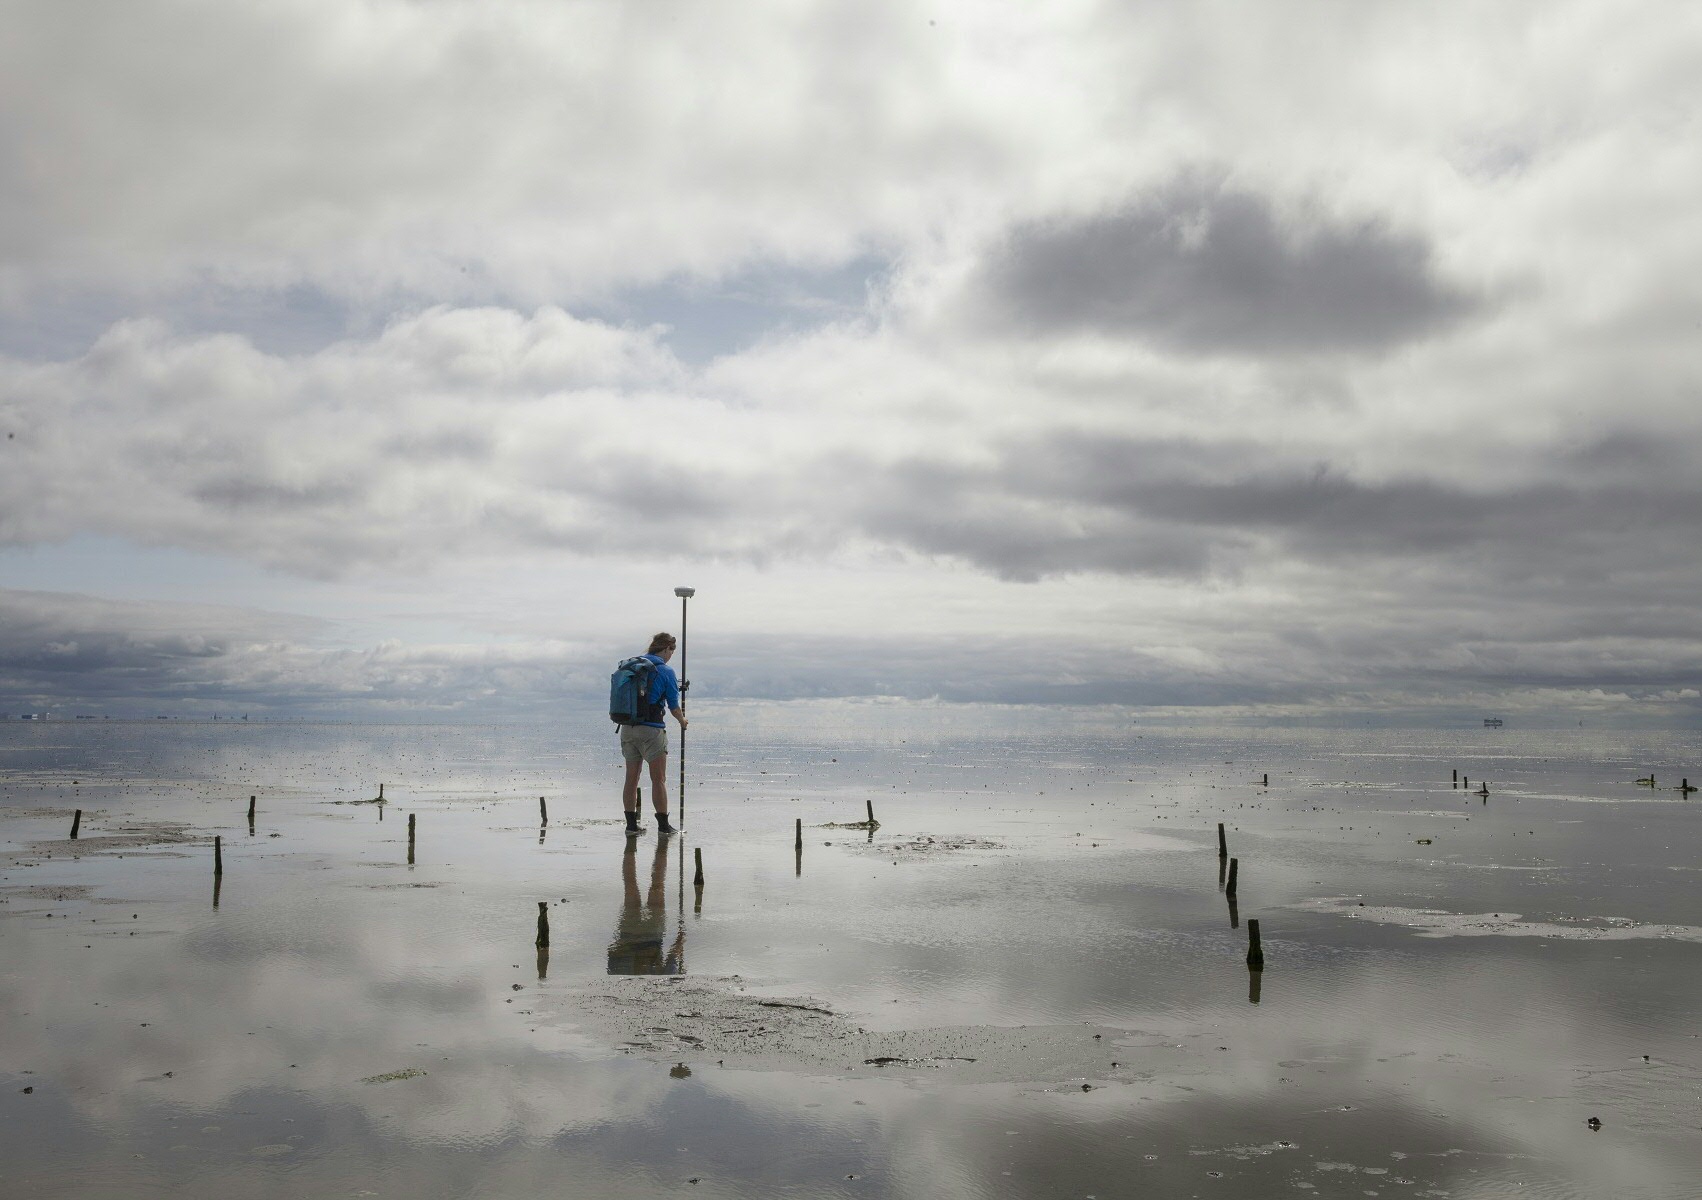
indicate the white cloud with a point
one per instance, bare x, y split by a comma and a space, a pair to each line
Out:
1288, 348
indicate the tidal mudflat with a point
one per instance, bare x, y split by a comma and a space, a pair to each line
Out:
1027, 981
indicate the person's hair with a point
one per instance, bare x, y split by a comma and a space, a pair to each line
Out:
661, 642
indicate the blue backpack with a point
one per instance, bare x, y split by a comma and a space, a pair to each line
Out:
629, 692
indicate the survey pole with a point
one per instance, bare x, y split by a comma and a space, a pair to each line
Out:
685, 594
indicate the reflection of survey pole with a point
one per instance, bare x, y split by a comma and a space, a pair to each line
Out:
685, 594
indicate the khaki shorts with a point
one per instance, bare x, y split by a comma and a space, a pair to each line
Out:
643, 743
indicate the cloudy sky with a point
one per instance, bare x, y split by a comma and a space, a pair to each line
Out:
399, 357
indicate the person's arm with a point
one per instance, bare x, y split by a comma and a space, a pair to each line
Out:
675, 704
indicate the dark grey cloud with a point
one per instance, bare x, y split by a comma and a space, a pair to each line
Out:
1192, 507
1421, 649
1202, 267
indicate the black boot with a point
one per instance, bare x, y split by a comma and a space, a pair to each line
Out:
662, 825
632, 825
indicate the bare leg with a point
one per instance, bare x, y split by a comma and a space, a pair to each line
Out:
629, 792
658, 784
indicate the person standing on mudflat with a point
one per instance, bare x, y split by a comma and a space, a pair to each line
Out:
645, 739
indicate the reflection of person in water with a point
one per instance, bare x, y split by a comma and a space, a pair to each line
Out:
639, 937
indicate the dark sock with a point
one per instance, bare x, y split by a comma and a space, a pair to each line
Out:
662, 825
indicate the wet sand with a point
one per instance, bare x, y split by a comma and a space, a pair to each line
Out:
1028, 980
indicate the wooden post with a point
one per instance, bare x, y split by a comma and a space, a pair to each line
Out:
218, 856
251, 800
543, 812
1222, 842
410, 839
698, 878
1255, 952
798, 836
543, 925
1467, 780
871, 805
1234, 914
1456, 774
1234, 869
381, 791
1265, 779
77, 821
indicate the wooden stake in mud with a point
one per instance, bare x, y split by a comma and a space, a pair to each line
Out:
218, 855
1265, 779
381, 791
543, 925
1234, 869
871, 805
77, 821
1456, 776
1255, 952
410, 839
797, 837
1222, 842
251, 801
698, 878
543, 812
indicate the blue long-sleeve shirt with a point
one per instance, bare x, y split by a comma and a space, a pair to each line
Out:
665, 689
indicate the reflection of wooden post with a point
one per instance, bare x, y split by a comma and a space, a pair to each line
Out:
797, 839
1254, 978
1255, 952
1234, 914
1234, 869
543, 812
410, 839
77, 822
543, 924
1222, 842
698, 878
218, 856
